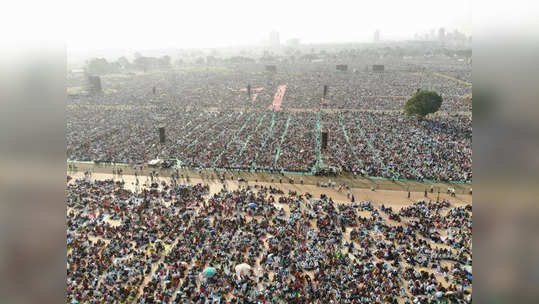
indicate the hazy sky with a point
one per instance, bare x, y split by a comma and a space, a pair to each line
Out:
119, 24
202, 23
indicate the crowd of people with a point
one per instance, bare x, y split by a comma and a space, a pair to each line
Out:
225, 87
391, 145
211, 122
372, 90
381, 144
167, 241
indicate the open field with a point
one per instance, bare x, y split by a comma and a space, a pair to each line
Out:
388, 198
393, 234
358, 182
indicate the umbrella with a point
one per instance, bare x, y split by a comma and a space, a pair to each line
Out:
252, 205
242, 269
209, 271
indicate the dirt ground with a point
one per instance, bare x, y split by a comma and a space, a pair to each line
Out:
395, 198
357, 182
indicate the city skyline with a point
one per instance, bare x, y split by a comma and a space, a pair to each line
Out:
94, 26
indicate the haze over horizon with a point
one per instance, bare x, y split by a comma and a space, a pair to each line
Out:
96, 25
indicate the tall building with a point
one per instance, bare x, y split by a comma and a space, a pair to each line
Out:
376, 36
441, 34
274, 39
432, 35
294, 42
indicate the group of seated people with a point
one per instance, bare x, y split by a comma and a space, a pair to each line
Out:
391, 145
225, 86
367, 90
388, 145
210, 122
172, 242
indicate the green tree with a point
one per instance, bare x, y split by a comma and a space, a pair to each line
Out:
123, 63
423, 103
179, 62
99, 66
200, 60
143, 63
164, 62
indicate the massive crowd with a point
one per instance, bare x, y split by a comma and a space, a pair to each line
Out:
224, 87
169, 242
386, 145
210, 120
372, 91
164, 240
391, 145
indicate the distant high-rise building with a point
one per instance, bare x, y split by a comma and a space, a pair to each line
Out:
294, 42
274, 39
458, 36
441, 34
376, 36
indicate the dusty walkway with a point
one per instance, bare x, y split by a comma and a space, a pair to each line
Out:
359, 182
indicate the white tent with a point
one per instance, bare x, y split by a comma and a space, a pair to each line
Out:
242, 269
155, 162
